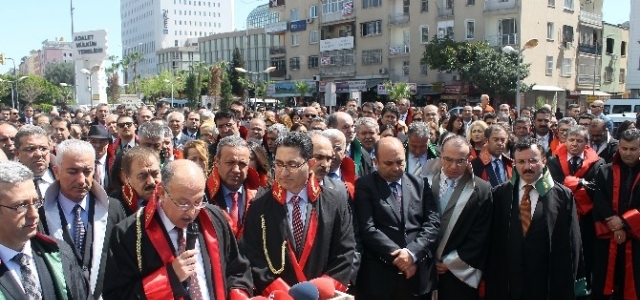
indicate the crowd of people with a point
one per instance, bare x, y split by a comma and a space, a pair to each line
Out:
381, 201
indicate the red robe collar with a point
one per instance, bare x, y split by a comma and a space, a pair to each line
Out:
348, 172
590, 157
313, 190
130, 197
486, 158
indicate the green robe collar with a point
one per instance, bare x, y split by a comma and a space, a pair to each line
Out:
543, 185
356, 155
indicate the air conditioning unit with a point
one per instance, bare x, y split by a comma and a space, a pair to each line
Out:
310, 20
568, 45
383, 71
316, 77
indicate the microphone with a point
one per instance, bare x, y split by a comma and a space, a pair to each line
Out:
304, 291
325, 287
192, 235
280, 295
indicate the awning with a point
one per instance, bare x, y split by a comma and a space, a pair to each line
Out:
547, 88
597, 93
371, 83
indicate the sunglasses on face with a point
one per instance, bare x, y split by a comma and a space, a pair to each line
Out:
310, 116
127, 124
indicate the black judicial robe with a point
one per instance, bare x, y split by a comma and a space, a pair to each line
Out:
552, 247
329, 244
226, 271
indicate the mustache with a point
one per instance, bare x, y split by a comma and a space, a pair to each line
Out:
528, 172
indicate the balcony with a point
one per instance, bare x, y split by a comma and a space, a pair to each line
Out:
399, 19
500, 5
338, 16
587, 80
590, 18
334, 71
444, 12
278, 73
502, 40
398, 51
277, 50
587, 48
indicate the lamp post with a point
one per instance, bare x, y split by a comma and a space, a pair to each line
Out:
14, 89
267, 70
532, 43
171, 82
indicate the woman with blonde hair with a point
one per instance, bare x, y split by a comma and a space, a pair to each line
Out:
198, 152
476, 138
286, 120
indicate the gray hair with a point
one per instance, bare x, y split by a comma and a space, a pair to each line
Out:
171, 114
333, 133
280, 128
578, 130
29, 130
568, 120
503, 117
524, 120
73, 146
150, 130
419, 129
206, 115
367, 122
13, 172
319, 119
231, 141
458, 140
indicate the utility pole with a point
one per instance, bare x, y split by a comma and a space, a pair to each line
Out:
75, 80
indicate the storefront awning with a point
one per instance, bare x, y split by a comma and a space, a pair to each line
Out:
597, 93
547, 88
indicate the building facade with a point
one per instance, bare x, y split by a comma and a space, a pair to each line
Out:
614, 54
633, 63
149, 26
370, 41
30, 64
54, 51
178, 58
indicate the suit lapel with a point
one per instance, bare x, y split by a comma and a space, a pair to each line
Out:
550, 211
408, 194
390, 199
491, 173
46, 282
206, 260
8, 285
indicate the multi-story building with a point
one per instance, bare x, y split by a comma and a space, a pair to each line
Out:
30, 65
365, 42
633, 63
149, 26
613, 59
54, 51
179, 58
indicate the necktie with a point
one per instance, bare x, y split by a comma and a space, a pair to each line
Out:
397, 195
418, 165
234, 207
194, 286
574, 165
334, 175
496, 169
525, 208
78, 229
127, 147
36, 182
298, 227
444, 199
29, 284
97, 175
175, 142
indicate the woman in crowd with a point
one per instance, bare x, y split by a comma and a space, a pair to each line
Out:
476, 138
197, 151
299, 127
456, 125
626, 124
387, 130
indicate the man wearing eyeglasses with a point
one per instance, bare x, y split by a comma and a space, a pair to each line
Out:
535, 245
597, 109
228, 125
127, 138
398, 223
34, 266
299, 230
7, 138
465, 207
563, 126
342, 167
151, 258
33, 149
158, 137
176, 123
77, 210
308, 114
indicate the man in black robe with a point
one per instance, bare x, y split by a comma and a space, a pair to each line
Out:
298, 230
535, 246
465, 207
150, 259
615, 210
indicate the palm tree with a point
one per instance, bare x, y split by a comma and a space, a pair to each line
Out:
135, 57
302, 87
124, 63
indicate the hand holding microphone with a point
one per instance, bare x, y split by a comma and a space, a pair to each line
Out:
185, 264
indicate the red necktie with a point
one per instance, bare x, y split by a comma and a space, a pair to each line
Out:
234, 207
194, 286
298, 227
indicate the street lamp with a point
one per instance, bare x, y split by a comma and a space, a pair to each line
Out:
171, 82
14, 89
532, 43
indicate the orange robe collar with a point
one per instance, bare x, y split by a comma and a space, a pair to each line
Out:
313, 190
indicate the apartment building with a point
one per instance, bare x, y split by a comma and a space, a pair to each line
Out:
614, 56
370, 41
633, 64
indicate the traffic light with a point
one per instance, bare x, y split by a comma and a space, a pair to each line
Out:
1, 58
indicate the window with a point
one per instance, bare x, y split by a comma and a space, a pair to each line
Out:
294, 14
371, 3
372, 57
406, 66
567, 34
471, 2
448, 4
313, 62
423, 69
471, 29
424, 5
294, 63
550, 31
549, 66
279, 63
371, 28
622, 77
608, 74
566, 67
568, 4
445, 29
313, 36
609, 49
424, 34
295, 41
551, 3
332, 6
406, 4
623, 49
313, 11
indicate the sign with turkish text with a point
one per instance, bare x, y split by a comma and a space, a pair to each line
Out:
336, 44
276, 27
90, 45
300, 25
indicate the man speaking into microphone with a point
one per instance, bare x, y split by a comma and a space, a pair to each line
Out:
177, 246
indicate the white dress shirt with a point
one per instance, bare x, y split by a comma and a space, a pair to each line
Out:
45, 181
7, 254
544, 139
172, 230
103, 162
569, 157
533, 195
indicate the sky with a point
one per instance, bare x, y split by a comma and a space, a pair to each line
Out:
25, 24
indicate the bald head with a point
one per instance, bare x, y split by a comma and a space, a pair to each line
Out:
7, 139
390, 159
322, 153
183, 173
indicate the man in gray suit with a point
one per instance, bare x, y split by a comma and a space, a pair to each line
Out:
176, 123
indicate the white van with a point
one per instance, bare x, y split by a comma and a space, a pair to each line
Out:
618, 106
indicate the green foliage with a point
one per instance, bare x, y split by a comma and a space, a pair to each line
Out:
226, 91
113, 89
234, 76
61, 72
134, 59
192, 90
302, 87
541, 101
156, 87
398, 90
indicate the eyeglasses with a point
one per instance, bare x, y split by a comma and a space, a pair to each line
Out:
289, 166
127, 124
22, 208
310, 116
184, 207
459, 162
228, 125
32, 149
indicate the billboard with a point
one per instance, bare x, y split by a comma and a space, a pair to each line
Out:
90, 45
336, 44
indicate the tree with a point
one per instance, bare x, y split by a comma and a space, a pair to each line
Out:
398, 90
238, 88
125, 63
302, 87
135, 58
226, 91
30, 89
60, 72
113, 89
192, 90
496, 72
213, 86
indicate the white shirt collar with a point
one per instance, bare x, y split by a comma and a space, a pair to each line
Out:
443, 177
168, 225
68, 205
47, 177
522, 183
103, 159
569, 157
303, 195
6, 253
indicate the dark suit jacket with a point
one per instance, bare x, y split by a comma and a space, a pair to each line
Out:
77, 285
383, 230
